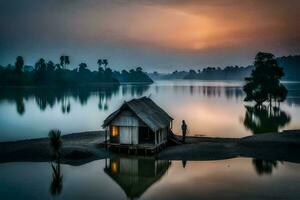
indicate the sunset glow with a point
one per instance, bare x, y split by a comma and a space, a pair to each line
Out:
150, 33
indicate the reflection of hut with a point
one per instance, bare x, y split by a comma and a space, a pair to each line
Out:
138, 124
134, 175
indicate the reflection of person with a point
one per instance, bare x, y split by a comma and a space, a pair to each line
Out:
183, 128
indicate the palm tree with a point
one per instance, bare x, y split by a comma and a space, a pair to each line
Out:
67, 60
64, 61
101, 62
55, 142
19, 64
105, 63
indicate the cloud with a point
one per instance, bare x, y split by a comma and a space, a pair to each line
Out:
188, 28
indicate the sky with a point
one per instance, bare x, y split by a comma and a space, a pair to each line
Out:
161, 35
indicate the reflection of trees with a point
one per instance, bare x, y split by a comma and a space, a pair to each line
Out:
264, 167
57, 180
217, 91
20, 105
191, 89
83, 96
294, 93
41, 103
134, 90
135, 175
263, 120
233, 92
48, 97
65, 104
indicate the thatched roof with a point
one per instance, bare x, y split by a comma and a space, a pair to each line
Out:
146, 110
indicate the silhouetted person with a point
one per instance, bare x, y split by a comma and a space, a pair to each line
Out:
183, 128
184, 163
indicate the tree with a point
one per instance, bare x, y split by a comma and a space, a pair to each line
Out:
50, 66
264, 82
108, 71
55, 142
19, 64
100, 70
105, 63
57, 67
64, 61
40, 65
101, 62
139, 69
82, 67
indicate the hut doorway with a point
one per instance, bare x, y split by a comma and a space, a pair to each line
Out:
146, 135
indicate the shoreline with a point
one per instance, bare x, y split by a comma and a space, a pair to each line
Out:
283, 146
84, 147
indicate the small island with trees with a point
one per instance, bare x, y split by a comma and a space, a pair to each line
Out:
264, 83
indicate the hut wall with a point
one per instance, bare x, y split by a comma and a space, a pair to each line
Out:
129, 134
161, 136
128, 125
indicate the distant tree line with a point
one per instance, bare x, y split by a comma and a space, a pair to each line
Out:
208, 73
50, 73
216, 73
290, 65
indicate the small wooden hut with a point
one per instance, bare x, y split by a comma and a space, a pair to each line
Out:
138, 124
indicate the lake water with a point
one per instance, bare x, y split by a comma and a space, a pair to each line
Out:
131, 178
211, 108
